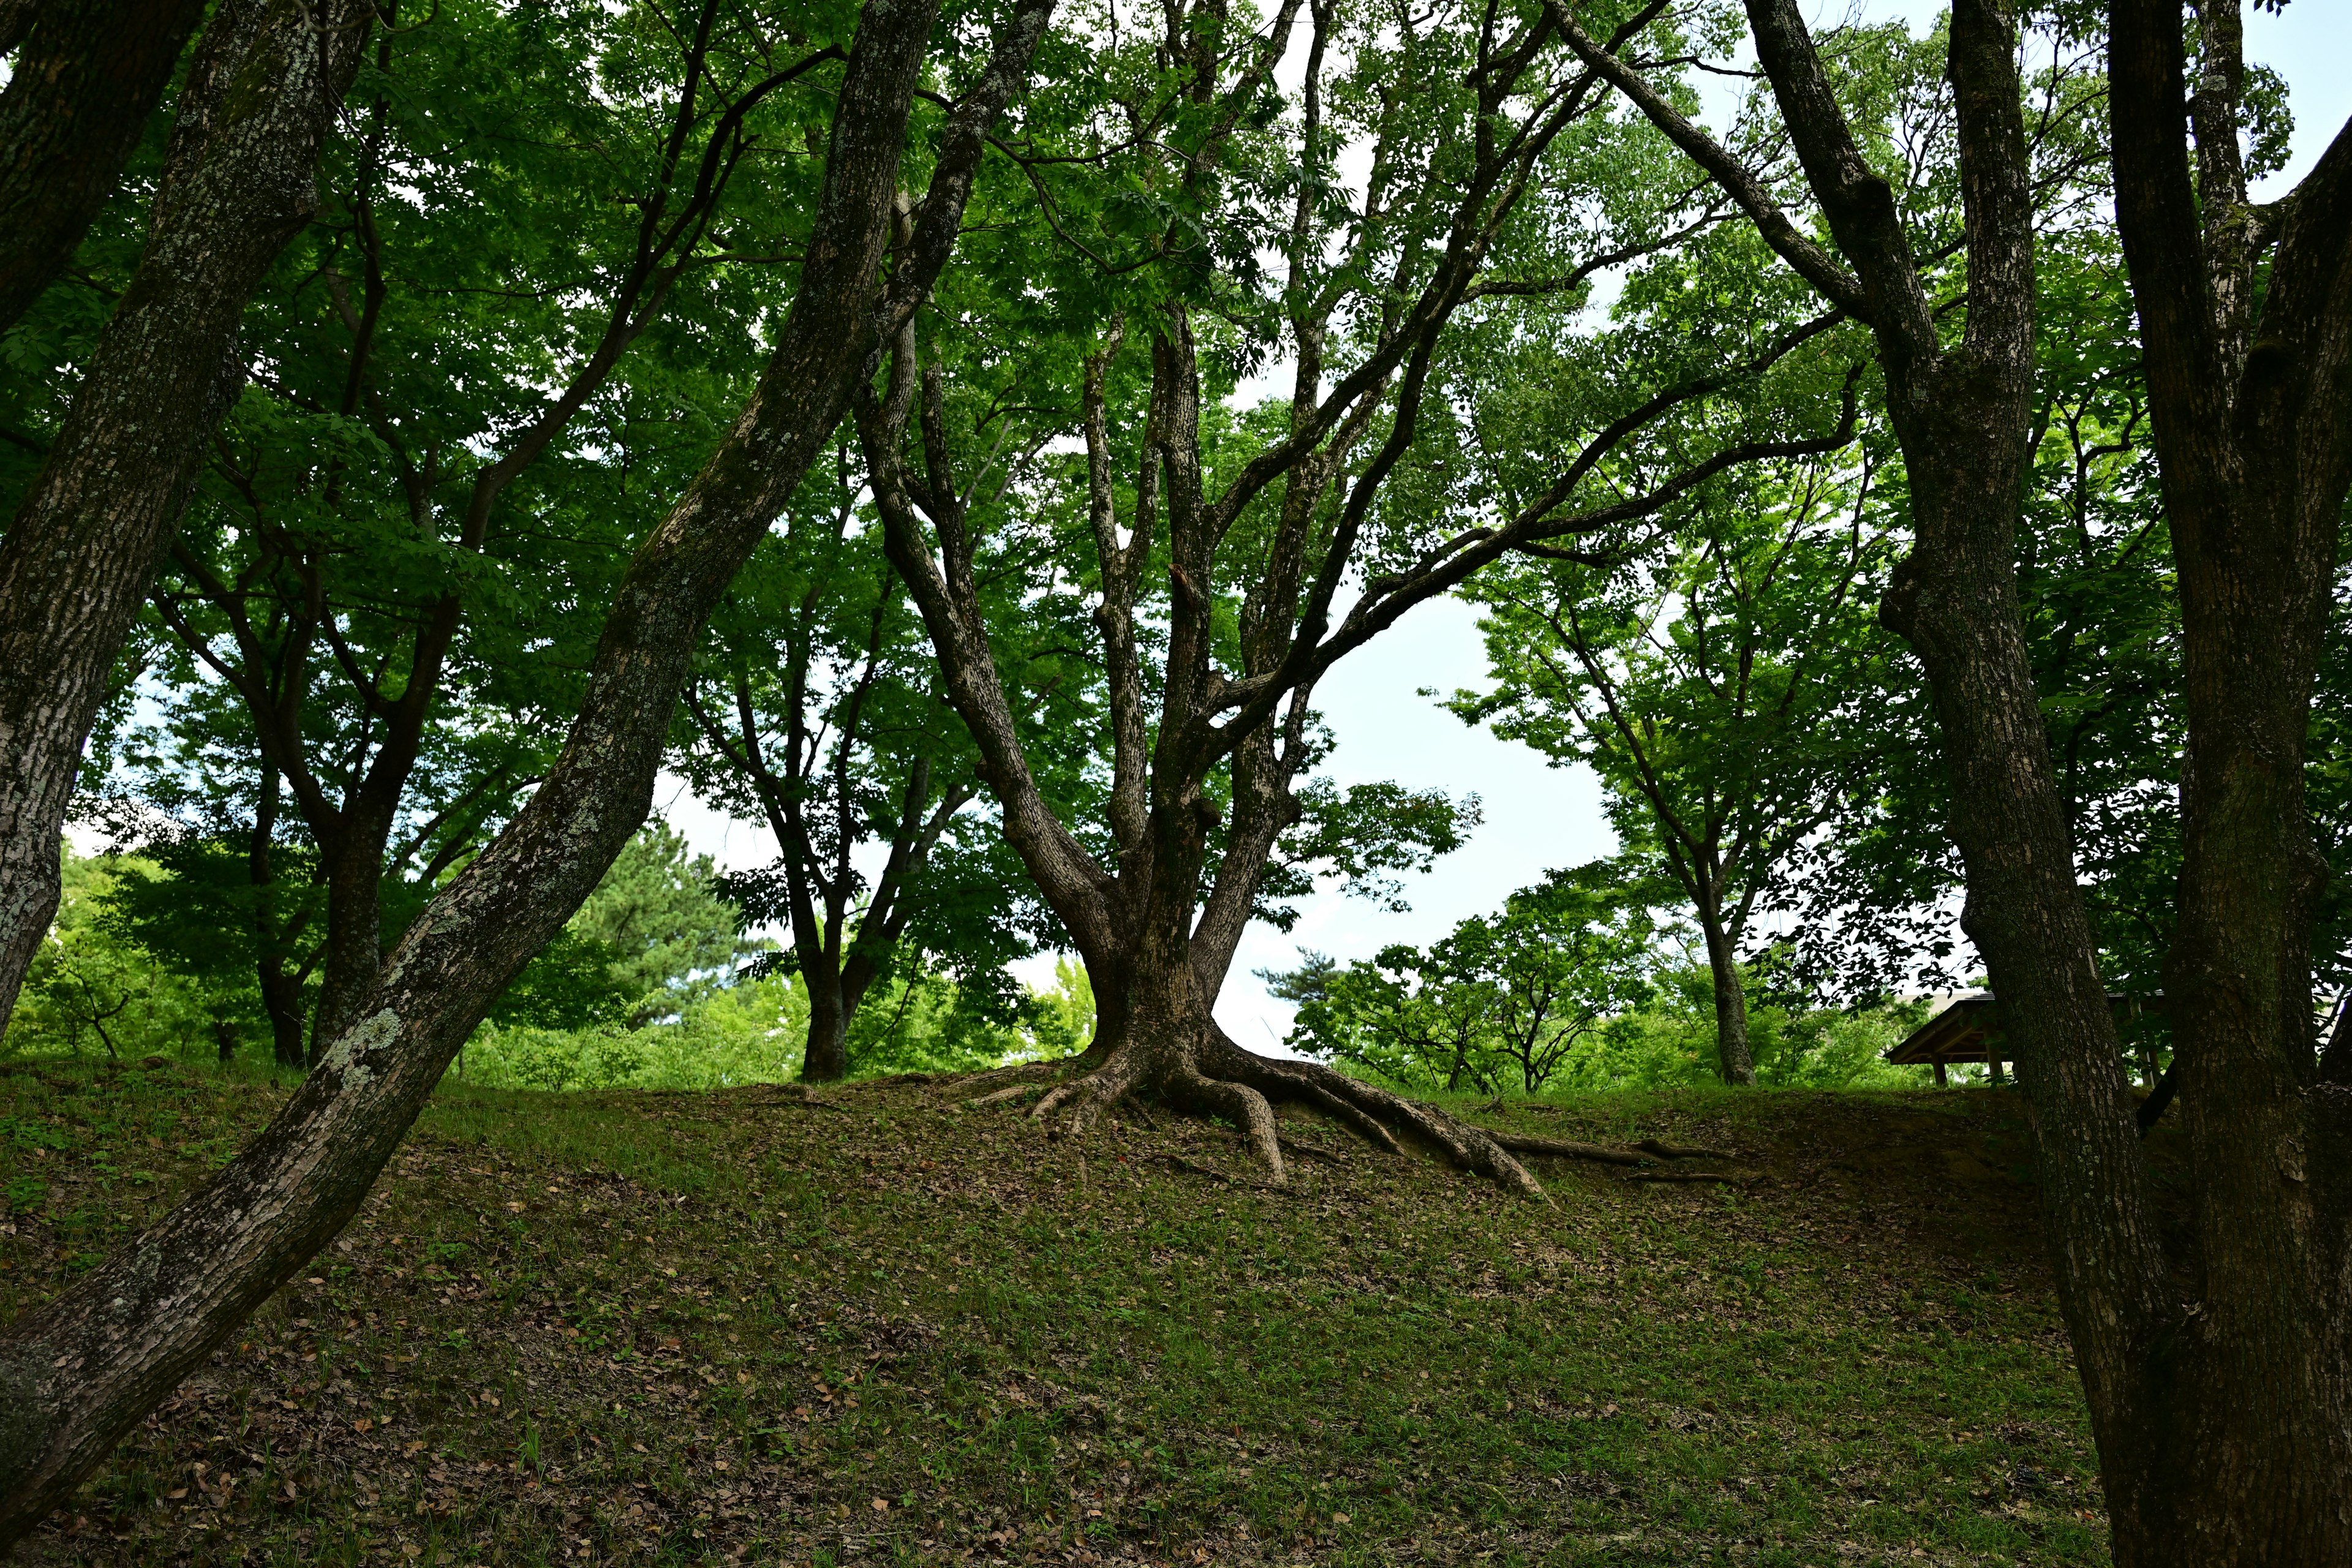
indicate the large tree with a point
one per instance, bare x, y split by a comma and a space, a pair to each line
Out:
1700, 684
447, 426
818, 711
79, 1370
83, 81
2222, 1420
240, 180
1216, 549
2226, 1419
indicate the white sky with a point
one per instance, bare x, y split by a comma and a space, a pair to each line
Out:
1537, 817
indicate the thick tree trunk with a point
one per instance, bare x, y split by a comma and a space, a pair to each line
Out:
85, 540
1961, 413
826, 1057
2250, 1393
79, 93
1732, 1055
281, 998
74, 1373
354, 870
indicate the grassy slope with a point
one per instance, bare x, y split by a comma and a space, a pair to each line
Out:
642, 1327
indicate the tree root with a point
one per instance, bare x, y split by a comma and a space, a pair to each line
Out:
1682, 1152
1243, 1086
1560, 1149
1604, 1154
1012, 1091
1728, 1178
1022, 1072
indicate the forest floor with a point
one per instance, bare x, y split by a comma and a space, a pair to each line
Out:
871, 1326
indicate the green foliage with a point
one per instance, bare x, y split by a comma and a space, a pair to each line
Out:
93, 988
1671, 1041
1513, 1001
752, 1032
1709, 683
673, 939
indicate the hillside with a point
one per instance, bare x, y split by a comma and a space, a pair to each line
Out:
874, 1326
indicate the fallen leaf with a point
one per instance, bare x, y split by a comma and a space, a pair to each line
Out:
881, 1505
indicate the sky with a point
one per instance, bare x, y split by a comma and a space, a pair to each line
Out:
1537, 816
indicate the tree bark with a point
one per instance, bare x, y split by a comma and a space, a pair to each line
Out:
825, 1059
239, 181
1730, 1003
77, 1372
2222, 1427
281, 992
84, 81
2249, 1400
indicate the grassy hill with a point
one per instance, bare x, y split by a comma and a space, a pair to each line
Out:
874, 1326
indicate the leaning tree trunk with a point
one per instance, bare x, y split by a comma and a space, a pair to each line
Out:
238, 183
82, 85
78, 1372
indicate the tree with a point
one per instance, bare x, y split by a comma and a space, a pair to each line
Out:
82, 84
671, 934
1151, 206
239, 181
1509, 997
218, 905
2230, 1420
363, 568
2220, 1431
1699, 684
826, 721
73, 1380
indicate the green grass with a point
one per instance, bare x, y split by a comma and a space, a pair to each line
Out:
672, 1328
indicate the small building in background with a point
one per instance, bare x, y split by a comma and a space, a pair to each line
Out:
1968, 1030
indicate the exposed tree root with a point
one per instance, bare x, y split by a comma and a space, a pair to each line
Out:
1561, 1149
1728, 1178
1681, 1150
1019, 1072
1011, 1091
1604, 1154
1243, 1088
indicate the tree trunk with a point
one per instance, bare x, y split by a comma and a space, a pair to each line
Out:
2247, 1395
80, 1371
1730, 1003
1962, 415
282, 993
281, 998
354, 868
826, 1058
238, 182
80, 92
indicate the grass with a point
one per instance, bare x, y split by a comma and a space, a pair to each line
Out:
672, 1328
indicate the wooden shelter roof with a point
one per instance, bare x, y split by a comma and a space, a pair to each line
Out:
1968, 1030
